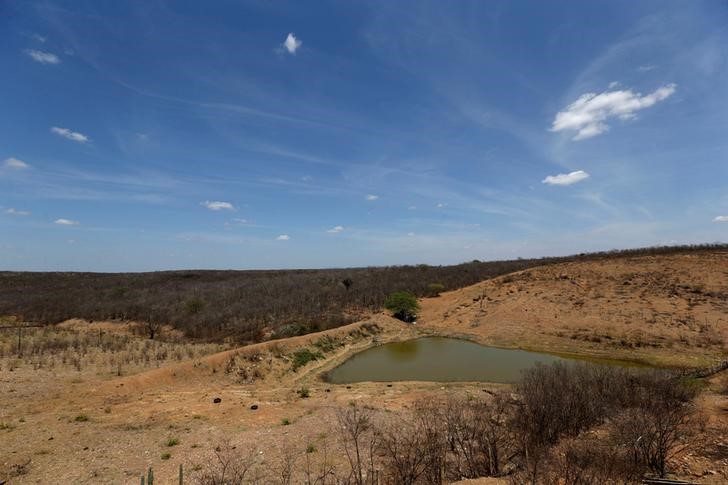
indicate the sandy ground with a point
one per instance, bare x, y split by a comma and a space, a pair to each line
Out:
60, 425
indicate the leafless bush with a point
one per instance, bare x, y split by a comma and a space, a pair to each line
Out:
479, 439
590, 461
360, 441
660, 424
413, 448
228, 466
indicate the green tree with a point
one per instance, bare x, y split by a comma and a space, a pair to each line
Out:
434, 289
403, 306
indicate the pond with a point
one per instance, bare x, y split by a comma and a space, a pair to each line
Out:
437, 359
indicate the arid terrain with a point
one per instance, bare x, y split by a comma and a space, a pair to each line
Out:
104, 403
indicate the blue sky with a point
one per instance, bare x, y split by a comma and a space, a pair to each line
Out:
264, 134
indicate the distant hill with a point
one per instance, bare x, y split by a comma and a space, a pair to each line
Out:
250, 306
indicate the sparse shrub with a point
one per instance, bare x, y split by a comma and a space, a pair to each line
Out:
286, 422
325, 344
403, 306
166, 456
304, 392
303, 357
172, 442
434, 289
81, 418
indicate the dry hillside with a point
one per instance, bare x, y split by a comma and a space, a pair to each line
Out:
668, 310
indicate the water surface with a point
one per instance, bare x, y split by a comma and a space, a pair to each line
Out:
437, 359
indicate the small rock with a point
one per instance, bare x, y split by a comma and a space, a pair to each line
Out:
217, 400
254, 407
328, 390
389, 385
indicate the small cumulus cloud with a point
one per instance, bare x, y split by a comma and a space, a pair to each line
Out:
66, 222
71, 135
292, 44
588, 115
43, 57
16, 212
372, 197
721, 219
15, 164
39, 38
566, 178
283, 237
217, 205
336, 230
440, 205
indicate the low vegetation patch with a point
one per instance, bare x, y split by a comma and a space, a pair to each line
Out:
303, 357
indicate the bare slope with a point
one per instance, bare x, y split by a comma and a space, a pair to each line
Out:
669, 309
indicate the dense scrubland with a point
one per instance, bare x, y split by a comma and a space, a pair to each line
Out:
250, 306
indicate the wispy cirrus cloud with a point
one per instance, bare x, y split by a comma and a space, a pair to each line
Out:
372, 197
721, 219
566, 178
66, 222
588, 115
15, 164
69, 134
336, 230
217, 205
15, 212
43, 57
283, 237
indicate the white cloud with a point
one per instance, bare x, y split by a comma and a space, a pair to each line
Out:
240, 221
647, 67
335, 230
66, 222
39, 38
588, 114
15, 164
71, 135
43, 57
283, 237
216, 205
16, 212
721, 219
440, 205
566, 178
292, 44
372, 197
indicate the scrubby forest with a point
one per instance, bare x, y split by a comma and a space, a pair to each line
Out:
250, 306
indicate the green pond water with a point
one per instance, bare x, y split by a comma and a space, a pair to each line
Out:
437, 359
